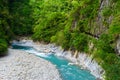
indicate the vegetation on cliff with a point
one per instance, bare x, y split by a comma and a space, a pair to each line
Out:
83, 25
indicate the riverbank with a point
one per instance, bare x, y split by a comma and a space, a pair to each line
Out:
83, 60
19, 65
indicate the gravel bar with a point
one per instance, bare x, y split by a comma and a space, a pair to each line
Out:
19, 65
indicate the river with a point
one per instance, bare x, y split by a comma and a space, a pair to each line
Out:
67, 71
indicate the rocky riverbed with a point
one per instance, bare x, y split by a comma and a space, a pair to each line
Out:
83, 60
19, 65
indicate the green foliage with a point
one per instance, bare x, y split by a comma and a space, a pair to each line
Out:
66, 42
15, 18
104, 43
115, 26
105, 55
80, 41
51, 19
106, 12
58, 38
62, 38
21, 17
5, 31
112, 67
48, 27
3, 47
72, 24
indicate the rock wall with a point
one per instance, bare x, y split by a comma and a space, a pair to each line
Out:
118, 46
87, 62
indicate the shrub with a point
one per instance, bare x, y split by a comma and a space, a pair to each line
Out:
80, 41
3, 47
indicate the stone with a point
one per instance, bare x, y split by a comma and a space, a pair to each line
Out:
19, 65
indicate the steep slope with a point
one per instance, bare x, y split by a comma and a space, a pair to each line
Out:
5, 31
84, 26
15, 19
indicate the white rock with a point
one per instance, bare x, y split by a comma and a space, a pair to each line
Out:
19, 65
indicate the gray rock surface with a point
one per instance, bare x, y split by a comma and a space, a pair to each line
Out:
118, 46
19, 65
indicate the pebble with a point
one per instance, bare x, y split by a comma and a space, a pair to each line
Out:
19, 65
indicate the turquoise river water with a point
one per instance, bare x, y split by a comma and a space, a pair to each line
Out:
67, 72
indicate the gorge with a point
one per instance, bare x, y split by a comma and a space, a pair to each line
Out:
88, 32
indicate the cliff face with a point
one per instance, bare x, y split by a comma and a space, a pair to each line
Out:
84, 26
118, 47
103, 21
72, 24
